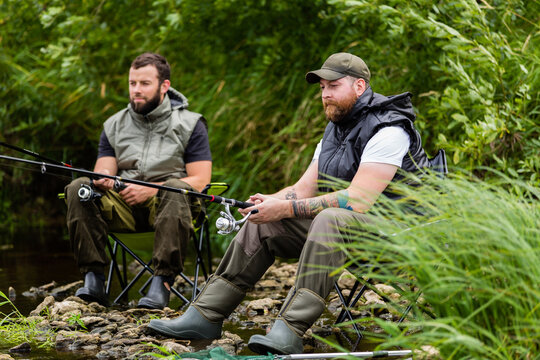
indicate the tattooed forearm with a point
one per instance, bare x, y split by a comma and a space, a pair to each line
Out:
309, 208
291, 194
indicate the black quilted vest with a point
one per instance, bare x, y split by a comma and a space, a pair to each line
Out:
344, 143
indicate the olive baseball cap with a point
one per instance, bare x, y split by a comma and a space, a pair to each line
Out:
340, 65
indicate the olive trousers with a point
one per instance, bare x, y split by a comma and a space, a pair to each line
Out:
255, 248
169, 214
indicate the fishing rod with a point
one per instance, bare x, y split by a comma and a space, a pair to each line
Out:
34, 154
225, 224
363, 354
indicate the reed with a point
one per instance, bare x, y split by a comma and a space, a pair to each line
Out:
473, 254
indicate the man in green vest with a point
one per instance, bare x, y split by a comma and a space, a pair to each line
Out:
154, 139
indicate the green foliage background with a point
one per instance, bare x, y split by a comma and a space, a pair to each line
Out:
473, 66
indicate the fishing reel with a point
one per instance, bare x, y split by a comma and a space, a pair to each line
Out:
226, 224
89, 193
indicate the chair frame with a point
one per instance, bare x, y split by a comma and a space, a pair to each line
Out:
201, 239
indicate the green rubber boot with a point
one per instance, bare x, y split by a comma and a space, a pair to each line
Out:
300, 310
204, 317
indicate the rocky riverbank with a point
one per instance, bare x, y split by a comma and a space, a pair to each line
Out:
70, 324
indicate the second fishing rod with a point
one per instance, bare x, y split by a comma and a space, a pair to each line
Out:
226, 224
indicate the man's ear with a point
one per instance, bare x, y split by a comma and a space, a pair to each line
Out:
359, 86
165, 85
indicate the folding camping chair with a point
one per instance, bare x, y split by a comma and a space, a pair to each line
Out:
201, 240
117, 247
439, 165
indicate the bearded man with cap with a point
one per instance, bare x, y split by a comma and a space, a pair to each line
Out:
368, 137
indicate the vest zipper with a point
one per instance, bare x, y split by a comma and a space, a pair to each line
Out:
146, 146
341, 145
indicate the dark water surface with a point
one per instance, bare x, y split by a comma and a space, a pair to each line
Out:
35, 257
30, 258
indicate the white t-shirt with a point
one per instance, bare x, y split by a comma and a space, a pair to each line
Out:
388, 146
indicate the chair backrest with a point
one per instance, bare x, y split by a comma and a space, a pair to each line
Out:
215, 188
438, 163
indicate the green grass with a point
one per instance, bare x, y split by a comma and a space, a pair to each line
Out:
15, 328
474, 255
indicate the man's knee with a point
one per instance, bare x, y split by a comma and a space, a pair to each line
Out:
330, 223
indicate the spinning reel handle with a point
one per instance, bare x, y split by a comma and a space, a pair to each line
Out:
226, 224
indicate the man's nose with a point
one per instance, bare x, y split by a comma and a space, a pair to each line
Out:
325, 93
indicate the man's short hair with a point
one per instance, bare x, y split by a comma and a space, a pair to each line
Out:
161, 64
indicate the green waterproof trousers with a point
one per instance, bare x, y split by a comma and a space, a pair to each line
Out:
169, 214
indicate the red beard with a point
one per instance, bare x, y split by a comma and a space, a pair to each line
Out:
336, 110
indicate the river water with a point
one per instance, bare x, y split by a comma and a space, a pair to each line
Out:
33, 257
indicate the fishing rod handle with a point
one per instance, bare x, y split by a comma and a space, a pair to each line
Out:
232, 202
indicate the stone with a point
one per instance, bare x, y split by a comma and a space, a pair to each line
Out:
427, 352
44, 308
234, 337
93, 321
21, 348
96, 308
67, 307
132, 333
136, 351
262, 306
268, 285
372, 298
65, 338
12, 294
346, 280
172, 346
84, 340
64, 290
60, 325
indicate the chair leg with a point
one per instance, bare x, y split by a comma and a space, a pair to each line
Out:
113, 267
347, 304
345, 312
208, 248
199, 262
146, 267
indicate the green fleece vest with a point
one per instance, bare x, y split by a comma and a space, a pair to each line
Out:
151, 147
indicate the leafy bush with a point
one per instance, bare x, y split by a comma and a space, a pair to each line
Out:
472, 64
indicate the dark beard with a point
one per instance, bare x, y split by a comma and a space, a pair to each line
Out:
147, 107
339, 110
